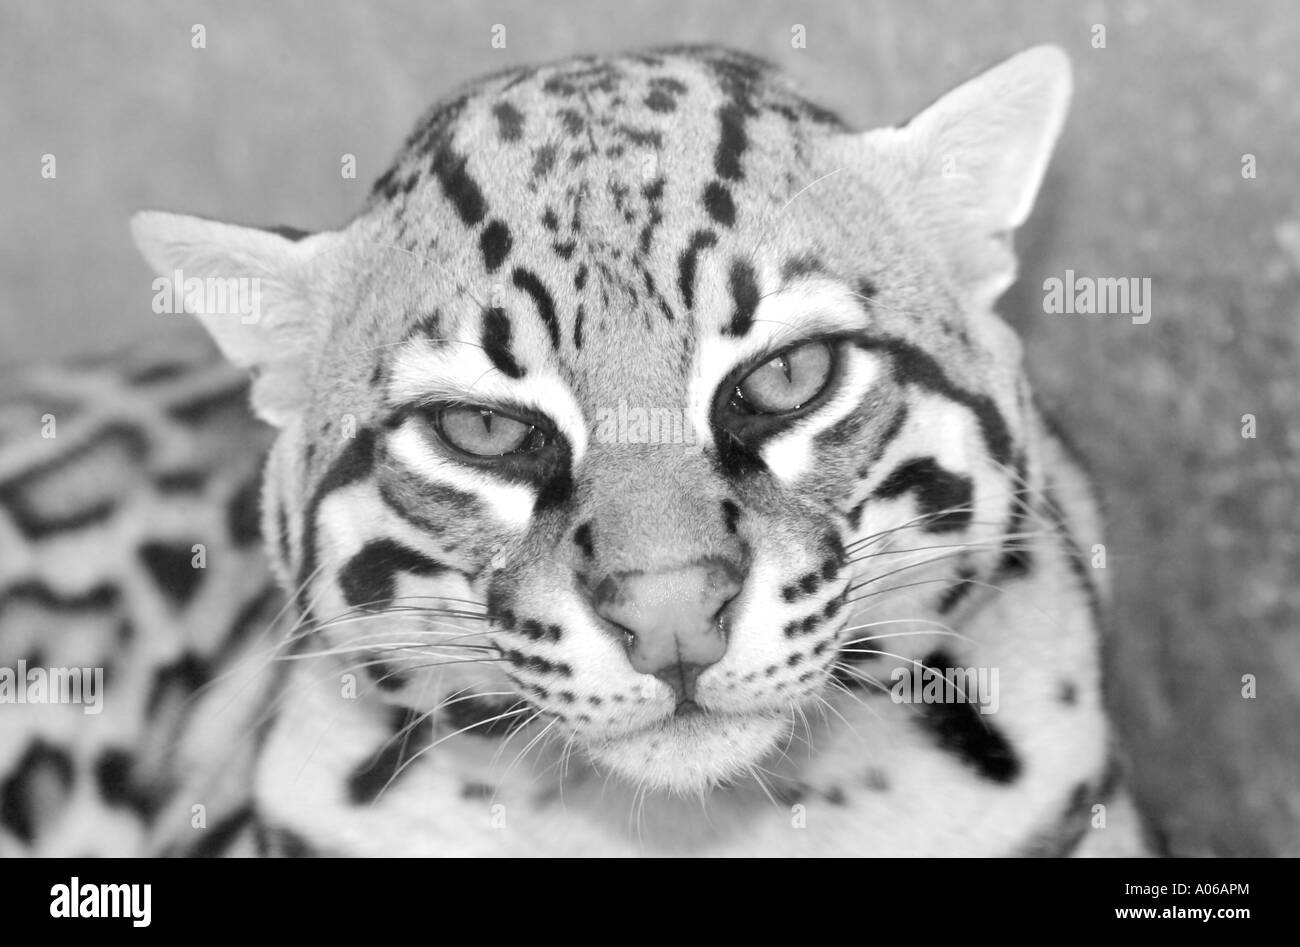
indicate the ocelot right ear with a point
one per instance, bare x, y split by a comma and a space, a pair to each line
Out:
262, 295
967, 169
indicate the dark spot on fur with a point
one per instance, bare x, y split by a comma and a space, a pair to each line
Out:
175, 682
369, 579
799, 267
537, 664
582, 539
496, 337
959, 728
1016, 561
411, 732
181, 481
956, 593
495, 243
543, 160
943, 497
660, 101
36, 789
730, 515
385, 676
641, 137
356, 461
530, 283
289, 233
243, 513
791, 795
18, 495
121, 786
98, 598
172, 569
279, 842
745, 296
718, 202
487, 717
218, 839
732, 142
574, 124
510, 121
686, 264
385, 185
458, 186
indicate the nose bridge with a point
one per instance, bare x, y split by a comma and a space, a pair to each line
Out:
660, 557
653, 508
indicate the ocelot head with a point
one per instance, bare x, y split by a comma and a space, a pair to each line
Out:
643, 400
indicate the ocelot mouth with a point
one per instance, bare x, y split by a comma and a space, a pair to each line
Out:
691, 751
687, 708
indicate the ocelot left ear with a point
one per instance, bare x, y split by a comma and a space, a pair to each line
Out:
261, 294
970, 165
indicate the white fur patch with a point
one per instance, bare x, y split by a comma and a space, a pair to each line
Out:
946, 430
511, 503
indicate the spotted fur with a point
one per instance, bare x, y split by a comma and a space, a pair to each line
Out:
444, 668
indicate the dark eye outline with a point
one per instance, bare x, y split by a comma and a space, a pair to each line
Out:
540, 441
735, 414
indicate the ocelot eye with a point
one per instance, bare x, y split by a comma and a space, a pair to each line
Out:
786, 382
485, 432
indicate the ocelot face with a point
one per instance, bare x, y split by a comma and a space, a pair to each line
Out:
653, 435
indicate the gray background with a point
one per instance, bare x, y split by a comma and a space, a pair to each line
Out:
1147, 182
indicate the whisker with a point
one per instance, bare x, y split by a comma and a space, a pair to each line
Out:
860, 674
478, 723
912, 661
942, 632
998, 540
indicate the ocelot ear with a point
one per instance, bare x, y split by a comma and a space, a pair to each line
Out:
261, 294
970, 165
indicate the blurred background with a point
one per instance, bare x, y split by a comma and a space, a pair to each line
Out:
1148, 181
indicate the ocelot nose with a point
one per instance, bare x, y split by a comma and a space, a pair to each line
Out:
671, 621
